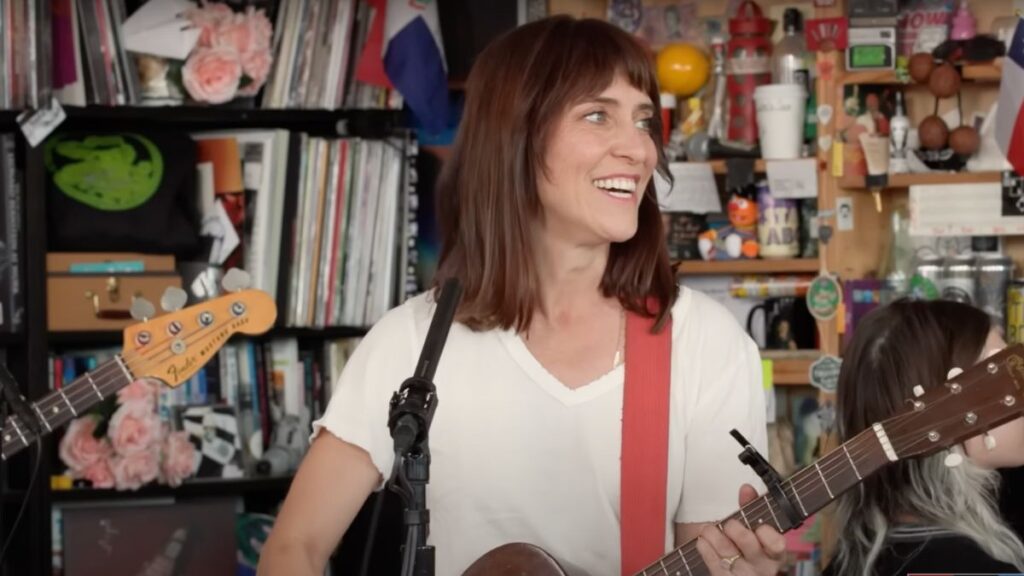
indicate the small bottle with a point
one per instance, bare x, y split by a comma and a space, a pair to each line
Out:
899, 129
790, 66
789, 58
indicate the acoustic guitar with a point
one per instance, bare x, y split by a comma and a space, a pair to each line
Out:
969, 404
170, 348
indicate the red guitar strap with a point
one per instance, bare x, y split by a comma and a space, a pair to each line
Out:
644, 459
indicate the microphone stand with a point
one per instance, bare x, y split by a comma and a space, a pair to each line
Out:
12, 403
411, 412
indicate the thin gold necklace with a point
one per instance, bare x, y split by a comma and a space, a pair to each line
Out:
618, 344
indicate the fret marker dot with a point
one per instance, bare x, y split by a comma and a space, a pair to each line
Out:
56, 410
7, 438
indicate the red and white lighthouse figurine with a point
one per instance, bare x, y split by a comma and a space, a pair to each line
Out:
748, 54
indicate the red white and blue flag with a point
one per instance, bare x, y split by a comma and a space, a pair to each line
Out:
404, 51
1009, 118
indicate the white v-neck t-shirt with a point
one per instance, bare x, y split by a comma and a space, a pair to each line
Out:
520, 457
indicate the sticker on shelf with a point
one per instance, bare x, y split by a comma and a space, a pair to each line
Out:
824, 373
36, 125
824, 114
823, 297
844, 214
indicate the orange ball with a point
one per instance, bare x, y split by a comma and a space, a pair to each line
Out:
683, 69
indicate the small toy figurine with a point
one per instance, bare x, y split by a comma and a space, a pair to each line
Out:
694, 119
739, 238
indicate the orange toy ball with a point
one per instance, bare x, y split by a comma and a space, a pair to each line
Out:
683, 69
920, 67
944, 81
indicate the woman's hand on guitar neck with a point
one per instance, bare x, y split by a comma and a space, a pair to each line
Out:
735, 549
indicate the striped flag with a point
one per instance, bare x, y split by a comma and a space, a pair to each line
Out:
1009, 118
404, 51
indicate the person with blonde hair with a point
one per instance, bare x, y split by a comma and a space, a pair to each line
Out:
921, 515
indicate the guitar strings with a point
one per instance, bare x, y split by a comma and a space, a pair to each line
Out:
760, 504
54, 403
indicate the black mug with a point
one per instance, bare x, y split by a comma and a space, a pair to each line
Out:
788, 324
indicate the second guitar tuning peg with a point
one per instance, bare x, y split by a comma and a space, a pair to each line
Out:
235, 280
173, 299
142, 309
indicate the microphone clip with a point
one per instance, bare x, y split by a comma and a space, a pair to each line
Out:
411, 412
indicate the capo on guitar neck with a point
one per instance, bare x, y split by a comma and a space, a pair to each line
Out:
751, 457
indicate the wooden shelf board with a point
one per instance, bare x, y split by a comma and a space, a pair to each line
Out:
981, 73
906, 180
718, 166
791, 368
752, 266
190, 488
321, 121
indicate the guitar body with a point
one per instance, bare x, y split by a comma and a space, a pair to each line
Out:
516, 559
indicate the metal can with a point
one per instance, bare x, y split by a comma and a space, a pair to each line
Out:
994, 274
1015, 312
959, 280
927, 280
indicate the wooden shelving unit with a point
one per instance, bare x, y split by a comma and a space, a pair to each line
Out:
753, 266
981, 73
907, 180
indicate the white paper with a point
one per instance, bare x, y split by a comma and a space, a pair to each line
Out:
159, 27
223, 231
961, 210
793, 178
36, 125
695, 189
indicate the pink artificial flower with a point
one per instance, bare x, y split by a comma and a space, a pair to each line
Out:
262, 29
256, 66
79, 449
132, 471
234, 33
207, 18
132, 431
212, 74
99, 473
141, 395
179, 458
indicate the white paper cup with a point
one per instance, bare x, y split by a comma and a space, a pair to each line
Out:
780, 120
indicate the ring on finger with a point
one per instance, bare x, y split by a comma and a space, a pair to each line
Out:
728, 562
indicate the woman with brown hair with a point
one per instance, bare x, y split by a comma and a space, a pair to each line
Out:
922, 515
549, 218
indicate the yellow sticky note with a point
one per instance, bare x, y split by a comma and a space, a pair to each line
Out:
767, 373
841, 318
837, 159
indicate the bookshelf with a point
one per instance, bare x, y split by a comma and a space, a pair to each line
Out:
28, 351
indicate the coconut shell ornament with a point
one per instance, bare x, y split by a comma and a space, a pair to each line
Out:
920, 67
964, 140
933, 133
944, 81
